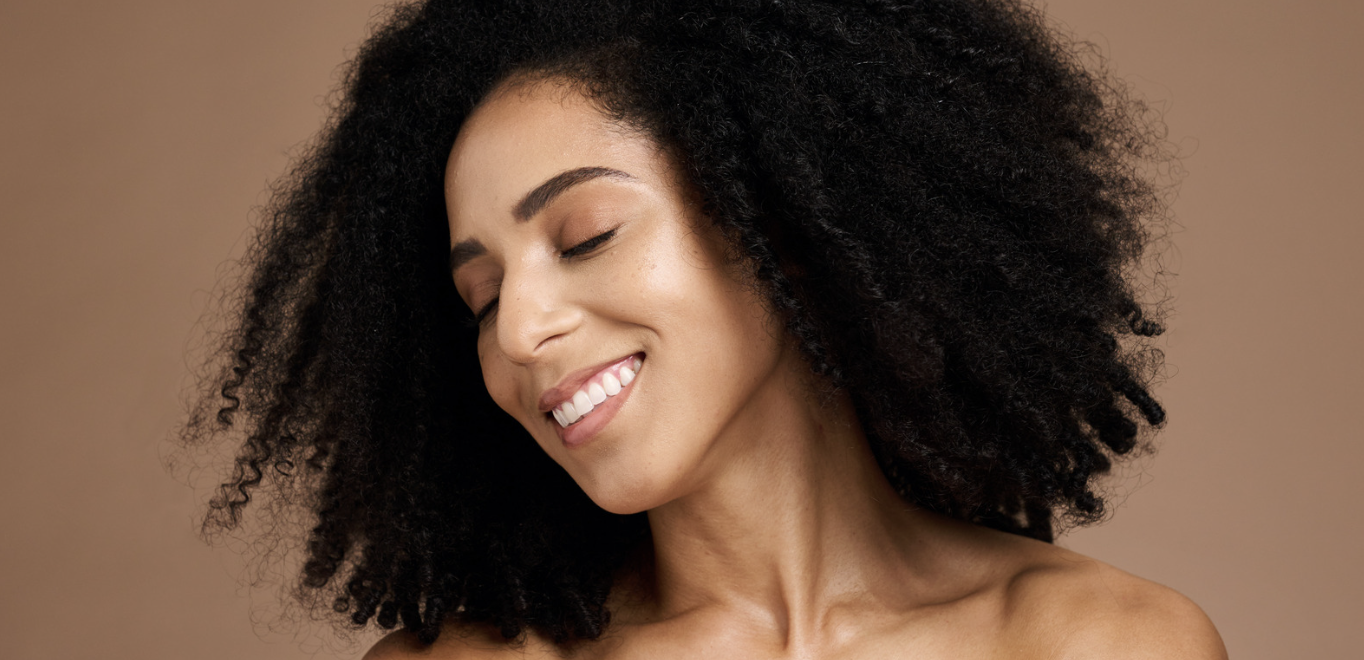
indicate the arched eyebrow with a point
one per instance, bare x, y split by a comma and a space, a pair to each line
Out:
532, 203
556, 185
464, 251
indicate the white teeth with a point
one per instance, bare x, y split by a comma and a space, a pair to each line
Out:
585, 400
581, 404
610, 384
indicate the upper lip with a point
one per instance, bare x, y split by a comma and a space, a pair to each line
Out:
573, 382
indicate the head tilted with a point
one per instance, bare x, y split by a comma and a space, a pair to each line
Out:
934, 197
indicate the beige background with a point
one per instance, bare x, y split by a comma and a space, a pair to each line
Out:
135, 137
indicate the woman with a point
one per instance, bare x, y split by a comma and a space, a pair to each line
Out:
661, 329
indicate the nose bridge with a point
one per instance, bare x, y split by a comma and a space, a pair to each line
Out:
532, 311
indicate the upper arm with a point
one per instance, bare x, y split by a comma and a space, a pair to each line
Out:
1144, 621
1075, 608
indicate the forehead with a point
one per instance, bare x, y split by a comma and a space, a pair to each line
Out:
522, 135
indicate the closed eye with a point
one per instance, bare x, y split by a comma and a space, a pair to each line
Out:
483, 314
587, 245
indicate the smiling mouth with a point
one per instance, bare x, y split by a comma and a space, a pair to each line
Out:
601, 386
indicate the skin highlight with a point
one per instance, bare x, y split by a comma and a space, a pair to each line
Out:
775, 533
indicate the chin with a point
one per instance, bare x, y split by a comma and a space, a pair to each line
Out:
625, 496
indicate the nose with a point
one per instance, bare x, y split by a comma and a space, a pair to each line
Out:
533, 312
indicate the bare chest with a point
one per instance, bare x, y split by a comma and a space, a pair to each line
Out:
953, 634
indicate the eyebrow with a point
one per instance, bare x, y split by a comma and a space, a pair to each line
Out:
464, 251
532, 203
556, 185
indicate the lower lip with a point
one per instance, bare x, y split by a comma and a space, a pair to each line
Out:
578, 434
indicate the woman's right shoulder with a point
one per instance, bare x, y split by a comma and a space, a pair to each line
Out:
459, 642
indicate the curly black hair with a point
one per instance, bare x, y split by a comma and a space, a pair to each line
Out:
938, 196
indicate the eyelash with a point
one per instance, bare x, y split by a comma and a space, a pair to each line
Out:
587, 245
576, 251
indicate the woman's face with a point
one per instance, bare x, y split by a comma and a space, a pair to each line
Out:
612, 325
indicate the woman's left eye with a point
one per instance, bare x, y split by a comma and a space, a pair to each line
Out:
587, 245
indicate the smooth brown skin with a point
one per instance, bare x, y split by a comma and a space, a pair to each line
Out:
775, 533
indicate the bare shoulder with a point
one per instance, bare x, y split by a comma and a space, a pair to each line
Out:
458, 643
1070, 606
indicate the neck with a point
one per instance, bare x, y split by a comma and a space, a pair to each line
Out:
792, 518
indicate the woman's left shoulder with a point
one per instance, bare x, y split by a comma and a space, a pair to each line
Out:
1078, 607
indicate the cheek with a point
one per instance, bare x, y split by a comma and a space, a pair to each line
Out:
703, 297
720, 338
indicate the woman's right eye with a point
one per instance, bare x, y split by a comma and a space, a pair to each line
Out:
482, 315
